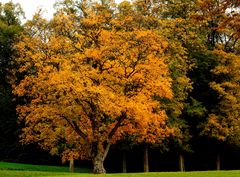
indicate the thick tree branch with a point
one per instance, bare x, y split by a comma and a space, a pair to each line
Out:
111, 134
74, 125
106, 151
118, 124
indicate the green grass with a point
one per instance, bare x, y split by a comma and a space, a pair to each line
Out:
11, 173
28, 167
26, 170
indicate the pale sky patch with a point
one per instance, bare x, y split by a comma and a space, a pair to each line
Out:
32, 6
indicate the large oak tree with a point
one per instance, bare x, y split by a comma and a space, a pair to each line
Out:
88, 81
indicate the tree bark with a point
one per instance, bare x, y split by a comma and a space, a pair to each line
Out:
218, 162
98, 167
181, 162
71, 165
124, 162
145, 159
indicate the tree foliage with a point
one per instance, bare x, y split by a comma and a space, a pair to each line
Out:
223, 122
89, 80
10, 29
156, 72
220, 21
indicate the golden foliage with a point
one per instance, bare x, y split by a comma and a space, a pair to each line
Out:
87, 82
224, 122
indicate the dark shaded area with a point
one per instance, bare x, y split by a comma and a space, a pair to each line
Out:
203, 158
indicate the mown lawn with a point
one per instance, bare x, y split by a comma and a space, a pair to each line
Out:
17, 173
28, 167
25, 170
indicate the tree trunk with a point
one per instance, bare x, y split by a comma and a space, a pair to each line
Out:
181, 163
145, 159
98, 167
218, 162
124, 162
71, 165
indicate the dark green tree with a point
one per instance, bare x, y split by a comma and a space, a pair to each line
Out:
215, 77
10, 28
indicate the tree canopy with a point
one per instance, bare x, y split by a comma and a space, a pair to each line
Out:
154, 72
88, 82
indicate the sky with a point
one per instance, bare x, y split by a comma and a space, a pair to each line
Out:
31, 6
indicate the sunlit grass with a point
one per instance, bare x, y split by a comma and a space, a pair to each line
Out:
26, 170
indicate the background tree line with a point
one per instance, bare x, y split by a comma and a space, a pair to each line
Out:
148, 76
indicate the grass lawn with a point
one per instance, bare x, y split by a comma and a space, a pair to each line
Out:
45, 168
25, 170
